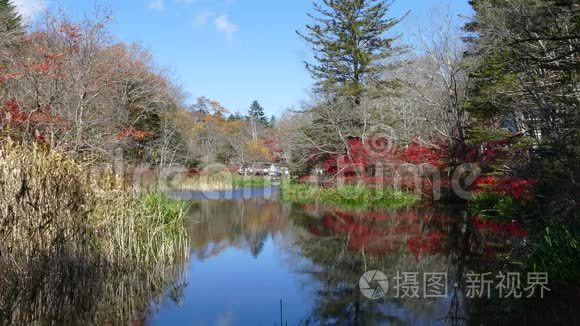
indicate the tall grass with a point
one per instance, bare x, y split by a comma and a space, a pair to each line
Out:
220, 182
349, 196
73, 249
556, 251
144, 229
49, 205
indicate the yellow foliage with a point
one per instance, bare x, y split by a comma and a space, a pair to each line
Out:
257, 151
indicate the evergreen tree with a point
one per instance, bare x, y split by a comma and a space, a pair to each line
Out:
272, 121
350, 44
256, 113
10, 20
235, 116
528, 73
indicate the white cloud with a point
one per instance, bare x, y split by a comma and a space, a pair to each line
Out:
223, 25
202, 18
157, 5
29, 9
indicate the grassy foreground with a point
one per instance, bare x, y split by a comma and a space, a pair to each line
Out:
348, 196
75, 248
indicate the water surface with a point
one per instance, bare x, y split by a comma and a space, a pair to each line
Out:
258, 261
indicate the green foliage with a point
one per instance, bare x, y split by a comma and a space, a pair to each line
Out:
480, 134
349, 196
530, 71
250, 182
556, 250
350, 45
494, 206
256, 113
10, 20
492, 92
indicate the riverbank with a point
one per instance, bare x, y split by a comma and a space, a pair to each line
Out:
348, 196
553, 241
218, 182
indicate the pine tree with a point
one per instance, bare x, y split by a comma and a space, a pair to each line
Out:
10, 20
235, 116
256, 113
350, 45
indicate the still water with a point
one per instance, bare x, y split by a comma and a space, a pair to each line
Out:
258, 261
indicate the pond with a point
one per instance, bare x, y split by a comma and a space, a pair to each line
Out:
258, 261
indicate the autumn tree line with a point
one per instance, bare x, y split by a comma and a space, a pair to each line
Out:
498, 90
71, 86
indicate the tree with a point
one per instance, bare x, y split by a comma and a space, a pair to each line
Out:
349, 43
235, 116
10, 20
257, 119
527, 77
256, 112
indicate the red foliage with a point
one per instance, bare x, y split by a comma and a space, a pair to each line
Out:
13, 116
361, 155
274, 148
13, 112
418, 154
427, 244
132, 132
379, 232
71, 31
39, 137
501, 228
192, 172
5, 76
517, 188
492, 151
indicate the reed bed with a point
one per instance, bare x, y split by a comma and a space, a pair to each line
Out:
218, 182
66, 233
144, 229
48, 203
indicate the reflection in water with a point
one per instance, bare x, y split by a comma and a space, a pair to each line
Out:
74, 290
343, 245
321, 254
244, 224
258, 261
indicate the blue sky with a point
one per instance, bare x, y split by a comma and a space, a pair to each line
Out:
233, 51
